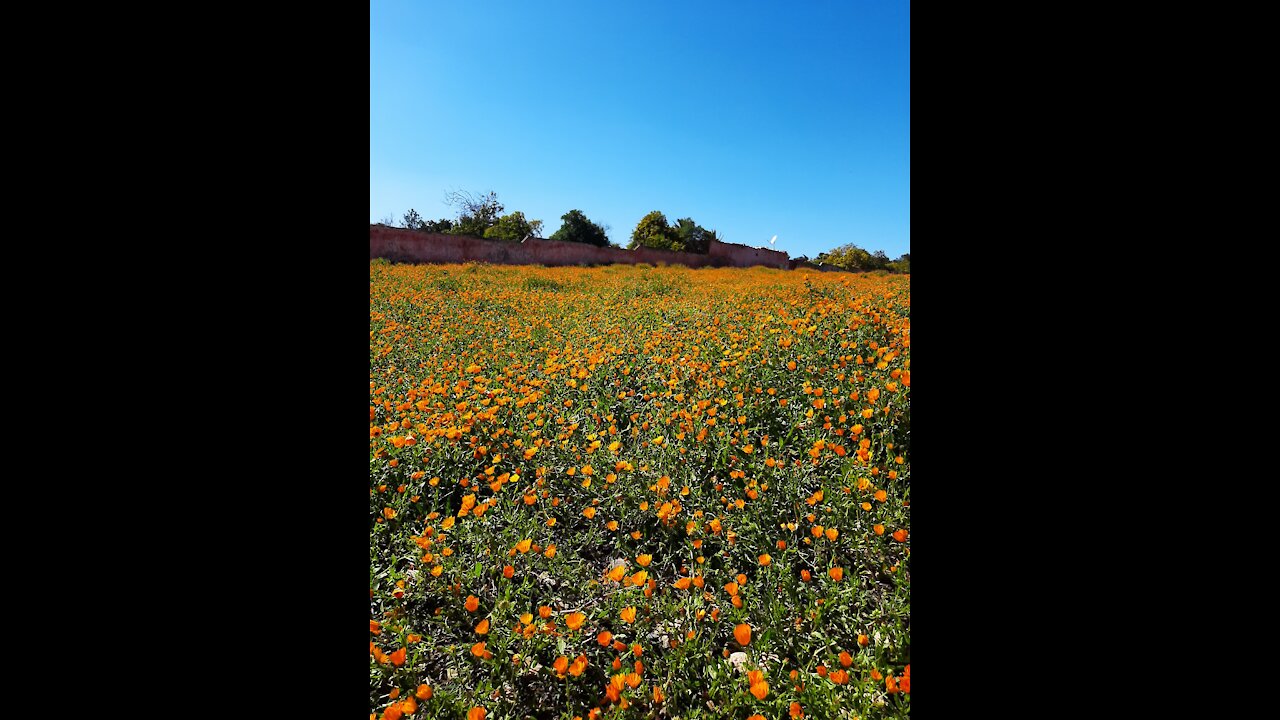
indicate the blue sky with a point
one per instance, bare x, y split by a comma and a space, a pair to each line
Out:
753, 118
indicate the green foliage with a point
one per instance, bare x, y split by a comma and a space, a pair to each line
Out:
443, 225
513, 228
412, 220
653, 231
692, 237
852, 257
577, 228
476, 213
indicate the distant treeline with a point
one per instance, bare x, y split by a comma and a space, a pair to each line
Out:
481, 216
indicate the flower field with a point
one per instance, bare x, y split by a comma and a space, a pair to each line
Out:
637, 492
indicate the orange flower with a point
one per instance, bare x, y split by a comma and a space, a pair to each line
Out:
891, 684
755, 677
863, 640
760, 690
483, 627
507, 572
804, 575
757, 716
480, 651
639, 578
578, 666
742, 633
845, 659
832, 534
681, 584
604, 638
398, 657
388, 513
658, 696
836, 574
409, 705
375, 627
765, 559
561, 665
617, 572
589, 512
473, 603
905, 683
879, 529
633, 680
476, 713
574, 620
796, 712
628, 614
544, 612
644, 560
839, 677
523, 545
424, 692
875, 674
900, 535
731, 588
393, 712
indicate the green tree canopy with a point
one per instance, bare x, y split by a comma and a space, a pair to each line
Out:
476, 213
577, 228
692, 237
513, 227
653, 231
412, 220
852, 257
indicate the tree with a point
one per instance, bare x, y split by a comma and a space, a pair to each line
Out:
653, 231
692, 237
577, 228
513, 228
852, 257
412, 220
476, 213
849, 257
443, 225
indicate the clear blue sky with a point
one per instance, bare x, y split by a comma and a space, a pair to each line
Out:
753, 118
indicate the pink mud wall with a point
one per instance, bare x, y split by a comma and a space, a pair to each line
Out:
400, 245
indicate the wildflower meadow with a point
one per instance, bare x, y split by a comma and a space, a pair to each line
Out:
638, 492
